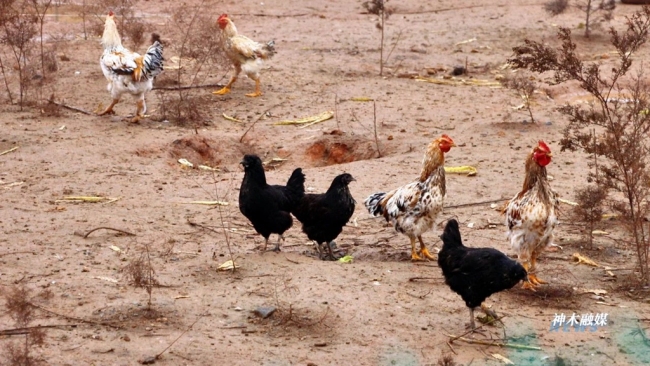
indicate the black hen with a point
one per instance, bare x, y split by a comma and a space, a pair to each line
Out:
475, 273
268, 207
324, 215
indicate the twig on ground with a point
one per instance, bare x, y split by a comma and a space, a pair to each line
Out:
451, 348
19, 252
179, 337
412, 279
499, 344
26, 330
75, 318
241, 139
72, 108
108, 228
452, 339
374, 124
188, 87
290, 260
8, 151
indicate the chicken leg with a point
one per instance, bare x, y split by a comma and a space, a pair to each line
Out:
423, 249
414, 253
277, 245
531, 276
109, 109
528, 284
258, 90
226, 89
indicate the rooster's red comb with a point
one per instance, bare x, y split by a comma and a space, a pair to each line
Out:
446, 137
223, 16
110, 13
542, 146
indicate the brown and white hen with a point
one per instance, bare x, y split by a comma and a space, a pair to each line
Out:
531, 214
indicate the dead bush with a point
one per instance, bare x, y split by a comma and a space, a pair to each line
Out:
525, 87
595, 11
19, 306
141, 273
590, 208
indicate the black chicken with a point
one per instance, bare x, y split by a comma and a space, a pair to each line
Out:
268, 207
475, 273
324, 215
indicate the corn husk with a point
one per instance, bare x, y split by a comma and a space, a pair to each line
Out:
227, 266
307, 121
579, 258
465, 169
459, 82
225, 116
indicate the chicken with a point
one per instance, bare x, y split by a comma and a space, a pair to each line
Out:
413, 208
126, 71
530, 215
244, 53
268, 207
324, 215
475, 273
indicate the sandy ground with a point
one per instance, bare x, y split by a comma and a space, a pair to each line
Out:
379, 310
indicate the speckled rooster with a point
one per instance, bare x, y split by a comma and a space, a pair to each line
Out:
128, 72
413, 208
531, 214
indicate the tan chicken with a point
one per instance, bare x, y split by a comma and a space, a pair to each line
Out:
530, 215
413, 208
245, 54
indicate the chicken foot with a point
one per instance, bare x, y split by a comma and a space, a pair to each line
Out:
226, 89
277, 245
258, 90
109, 109
531, 281
414, 253
485, 310
423, 249
532, 277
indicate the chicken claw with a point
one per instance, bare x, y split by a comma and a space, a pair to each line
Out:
222, 91
416, 257
254, 94
535, 280
529, 286
426, 254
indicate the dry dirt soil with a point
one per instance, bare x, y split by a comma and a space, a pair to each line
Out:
381, 309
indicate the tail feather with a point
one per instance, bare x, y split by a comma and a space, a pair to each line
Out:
451, 235
373, 203
270, 49
296, 185
153, 59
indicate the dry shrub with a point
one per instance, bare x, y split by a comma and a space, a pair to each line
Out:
183, 109
196, 47
19, 306
590, 208
134, 30
596, 11
379, 8
141, 273
446, 360
525, 87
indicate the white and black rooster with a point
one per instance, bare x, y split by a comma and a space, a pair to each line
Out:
126, 71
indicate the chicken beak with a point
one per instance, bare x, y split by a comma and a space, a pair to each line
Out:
453, 144
550, 155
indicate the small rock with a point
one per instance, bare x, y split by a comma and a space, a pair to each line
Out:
126, 338
459, 70
148, 361
237, 308
265, 311
549, 123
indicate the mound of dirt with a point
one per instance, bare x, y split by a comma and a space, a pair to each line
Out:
331, 150
201, 150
